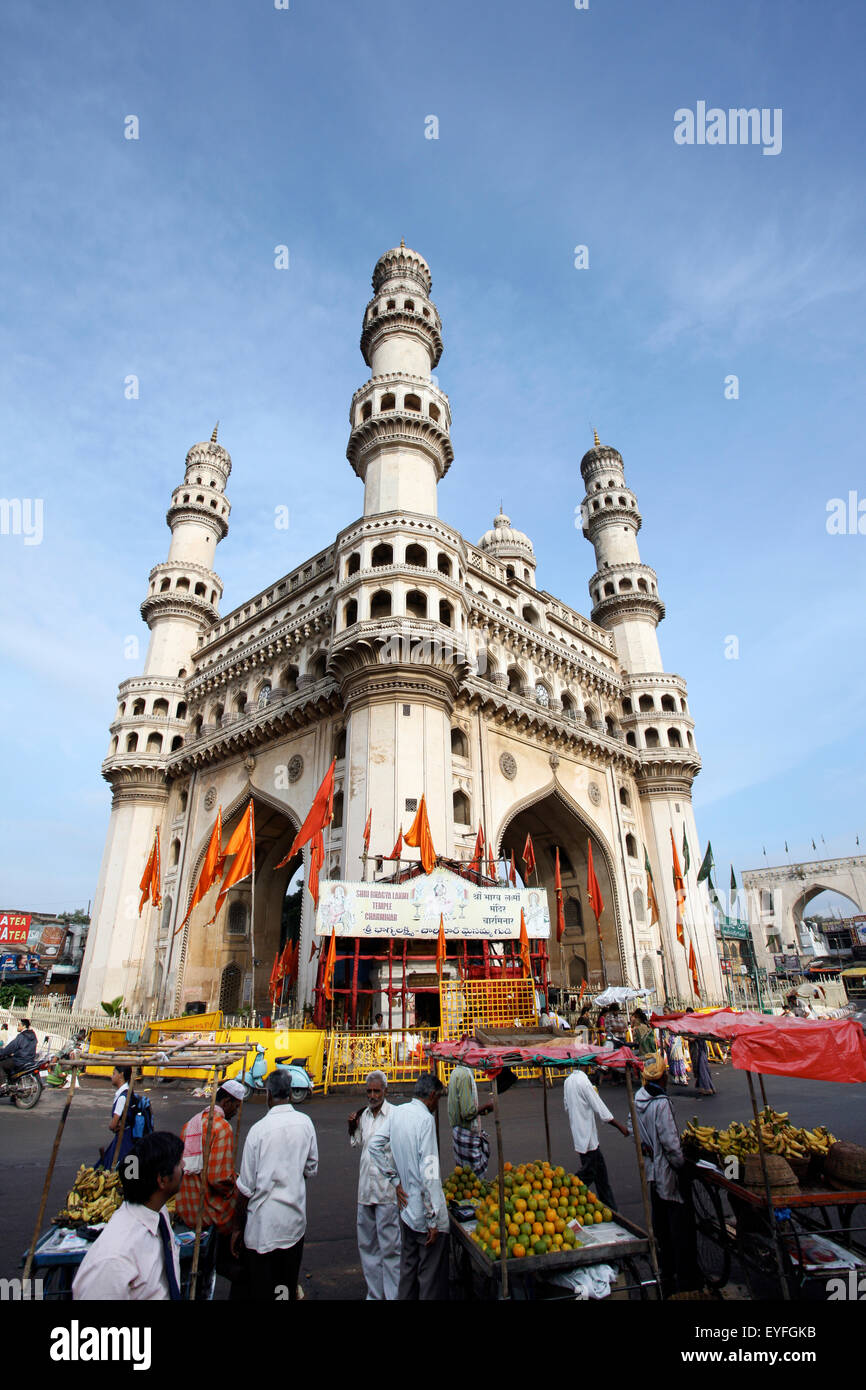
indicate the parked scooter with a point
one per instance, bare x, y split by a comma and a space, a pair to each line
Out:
302, 1083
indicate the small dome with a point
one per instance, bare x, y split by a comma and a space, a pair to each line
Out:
503, 541
600, 454
210, 453
401, 262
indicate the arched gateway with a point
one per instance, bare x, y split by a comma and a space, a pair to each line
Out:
428, 664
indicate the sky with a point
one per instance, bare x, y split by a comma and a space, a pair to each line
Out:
307, 127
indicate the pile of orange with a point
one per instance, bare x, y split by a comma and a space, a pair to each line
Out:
540, 1202
464, 1186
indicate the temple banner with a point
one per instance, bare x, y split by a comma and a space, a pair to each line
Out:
413, 909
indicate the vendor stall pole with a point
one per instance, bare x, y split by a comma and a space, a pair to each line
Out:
546, 1116
644, 1188
118, 1138
771, 1211
205, 1159
48, 1176
503, 1241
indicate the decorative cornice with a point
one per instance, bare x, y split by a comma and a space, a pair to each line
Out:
198, 512
284, 639
514, 711
616, 607
527, 641
267, 725
813, 868
174, 604
400, 427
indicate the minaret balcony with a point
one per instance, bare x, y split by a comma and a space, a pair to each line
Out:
633, 604
419, 321
400, 428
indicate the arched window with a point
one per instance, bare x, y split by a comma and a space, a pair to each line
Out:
531, 616
237, 919
669, 704
318, 666
230, 988
433, 411
138, 707
181, 710
350, 613
459, 744
652, 738
416, 555
184, 799
626, 706
114, 745
674, 738
160, 708
631, 846
164, 586
573, 913
200, 590
646, 703
412, 402
516, 683
690, 739
568, 708
443, 564
154, 743
410, 305
461, 808
590, 716
446, 613
380, 604
625, 584
240, 702
542, 695
340, 744
565, 865
183, 584
630, 739
383, 554
264, 695
353, 564
641, 583
388, 401
177, 742
576, 972
608, 590
132, 743
509, 572
366, 410
218, 713
648, 972
289, 680
609, 726
337, 822
198, 722
416, 604
624, 798
175, 853
637, 900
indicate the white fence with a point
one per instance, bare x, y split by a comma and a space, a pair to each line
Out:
59, 1022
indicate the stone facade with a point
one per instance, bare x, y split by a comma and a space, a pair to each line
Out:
425, 663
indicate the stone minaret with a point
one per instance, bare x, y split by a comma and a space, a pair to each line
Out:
655, 713
183, 596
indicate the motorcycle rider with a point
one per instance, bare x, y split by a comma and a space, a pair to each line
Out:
20, 1053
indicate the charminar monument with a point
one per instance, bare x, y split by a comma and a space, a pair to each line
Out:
427, 664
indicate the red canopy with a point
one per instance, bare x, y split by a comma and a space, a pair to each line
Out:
827, 1049
484, 1058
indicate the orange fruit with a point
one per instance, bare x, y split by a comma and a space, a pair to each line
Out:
520, 1204
513, 1230
507, 1167
519, 1251
598, 1218
560, 1226
549, 1228
550, 1214
537, 1228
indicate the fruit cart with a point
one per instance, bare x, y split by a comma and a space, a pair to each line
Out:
749, 1204
619, 1242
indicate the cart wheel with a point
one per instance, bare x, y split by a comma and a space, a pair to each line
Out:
758, 1257
714, 1256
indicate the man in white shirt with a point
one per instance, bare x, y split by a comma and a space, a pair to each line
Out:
409, 1159
378, 1214
135, 1257
280, 1153
583, 1105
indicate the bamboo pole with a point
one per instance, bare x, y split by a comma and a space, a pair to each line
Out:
205, 1158
546, 1116
503, 1240
771, 1211
644, 1186
49, 1175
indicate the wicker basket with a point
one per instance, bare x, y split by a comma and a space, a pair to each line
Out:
799, 1166
845, 1166
779, 1171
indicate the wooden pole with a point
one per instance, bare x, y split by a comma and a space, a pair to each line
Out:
644, 1186
763, 1092
49, 1175
771, 1211
206, 1147
253, 933
503, 1238
546, 1116
118, 1138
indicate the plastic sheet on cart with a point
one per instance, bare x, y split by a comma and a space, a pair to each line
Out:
831, 1049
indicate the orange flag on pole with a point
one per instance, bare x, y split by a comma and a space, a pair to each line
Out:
596, 901
275, 977
441, 947
330, 962
528, 857
397, 851
524, 946
582, 991
317, 859
693, 967
560, 911
477, 859
243, 846
320, 814
512, 872
211, 869
150, 878
679, 890
367, 829
491, 863
419, 837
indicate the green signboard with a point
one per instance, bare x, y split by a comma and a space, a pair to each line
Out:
735, 931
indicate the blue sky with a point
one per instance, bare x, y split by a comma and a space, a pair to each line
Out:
306, 127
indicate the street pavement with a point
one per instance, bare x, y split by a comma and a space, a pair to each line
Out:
331, 1269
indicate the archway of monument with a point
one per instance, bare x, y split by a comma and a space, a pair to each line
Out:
822, 916
552, 822
228, 944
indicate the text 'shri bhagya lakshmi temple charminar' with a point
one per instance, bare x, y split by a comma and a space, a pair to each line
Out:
427, 664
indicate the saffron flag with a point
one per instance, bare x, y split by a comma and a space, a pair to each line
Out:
524, 946
150, 878
560, 912
419, 837
652, 900
275, 977
243, 846
528, 856
582, 990
330, 963
313, 948
593, 889
706, 864
687, 858
441, 948
693, 969
477, 859
512, 872
397, 851
367, 829
320, 814
491, 863
317, 859
679, 890
211, 869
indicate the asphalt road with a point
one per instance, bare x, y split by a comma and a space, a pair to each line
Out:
331, 1269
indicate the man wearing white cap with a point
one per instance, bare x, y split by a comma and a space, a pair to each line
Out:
220, 1190
378, 1214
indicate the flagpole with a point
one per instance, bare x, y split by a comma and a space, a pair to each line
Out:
253, 919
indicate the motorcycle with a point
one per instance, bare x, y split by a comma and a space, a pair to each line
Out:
302, 1083
25, 1087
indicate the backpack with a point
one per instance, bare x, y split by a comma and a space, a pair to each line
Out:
140, 1117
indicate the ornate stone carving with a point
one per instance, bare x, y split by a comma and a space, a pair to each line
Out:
594, 792
296, 767
210, 797
508, 766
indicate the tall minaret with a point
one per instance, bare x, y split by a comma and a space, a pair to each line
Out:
655, 711
182, 598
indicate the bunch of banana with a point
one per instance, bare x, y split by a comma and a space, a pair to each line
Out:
705, 1136
94, 1197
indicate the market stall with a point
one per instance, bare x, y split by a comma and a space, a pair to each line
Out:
766, 1192
613, 1240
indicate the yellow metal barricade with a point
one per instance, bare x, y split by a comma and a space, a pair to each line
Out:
400, 1054
465, 1005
